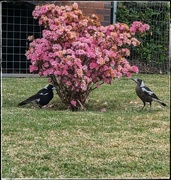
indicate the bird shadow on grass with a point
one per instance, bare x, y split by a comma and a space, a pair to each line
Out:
147, 109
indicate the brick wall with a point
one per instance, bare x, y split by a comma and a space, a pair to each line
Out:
101, 8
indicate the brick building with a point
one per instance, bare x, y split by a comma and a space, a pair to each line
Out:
18, 24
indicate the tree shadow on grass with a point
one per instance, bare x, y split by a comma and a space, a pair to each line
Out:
98, 106
93, 105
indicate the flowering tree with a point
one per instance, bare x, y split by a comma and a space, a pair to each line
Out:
78, 54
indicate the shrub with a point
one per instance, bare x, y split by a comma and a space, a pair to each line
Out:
78, 54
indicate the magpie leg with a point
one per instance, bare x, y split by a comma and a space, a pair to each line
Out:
143, 106
40, 106
150, 106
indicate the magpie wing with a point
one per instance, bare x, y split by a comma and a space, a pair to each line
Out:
35, 97
148, 92
38, 95
43, 92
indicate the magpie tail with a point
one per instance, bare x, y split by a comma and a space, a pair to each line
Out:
159, 101
29, 100
23, 103
163, 104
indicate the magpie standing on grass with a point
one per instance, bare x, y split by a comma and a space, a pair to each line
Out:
42, 97
145, 94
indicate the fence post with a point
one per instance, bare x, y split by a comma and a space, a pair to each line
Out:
114, 3
0, 36
170, 46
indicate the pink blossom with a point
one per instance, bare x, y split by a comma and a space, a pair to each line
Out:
103, 110
73, 102
56, 47
98, 85
57, 72
87, 79
84, 68
135, 69
68, 83
120, 43
83, 85
146, 27
88, 73
138, 26
132, 30
119, 75
100, 61
46, 65
125, 70
47, 72
128, 74
33, 68
72, 35
79, 72
83, 23
30, 38
80, 52
68, 8
75, 6
93, 65
90, 53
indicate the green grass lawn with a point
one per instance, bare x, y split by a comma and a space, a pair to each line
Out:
122, 142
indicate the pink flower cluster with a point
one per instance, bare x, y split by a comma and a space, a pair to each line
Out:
138, 27
78, 50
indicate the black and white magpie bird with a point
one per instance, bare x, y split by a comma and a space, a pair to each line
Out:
42, 97
145, 94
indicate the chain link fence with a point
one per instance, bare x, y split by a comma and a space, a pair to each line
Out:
17, 25
152, 56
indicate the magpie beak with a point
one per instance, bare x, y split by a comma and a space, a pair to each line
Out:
54, 88
134, 79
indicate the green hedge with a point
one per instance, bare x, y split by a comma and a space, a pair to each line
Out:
155, 43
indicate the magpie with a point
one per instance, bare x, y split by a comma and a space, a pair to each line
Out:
42, 97
145, 94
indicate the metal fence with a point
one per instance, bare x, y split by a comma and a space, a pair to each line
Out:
17, 25
152, 56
